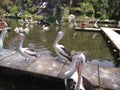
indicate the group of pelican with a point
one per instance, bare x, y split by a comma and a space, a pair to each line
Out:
27, 20
61, 51
75, 73
21, 29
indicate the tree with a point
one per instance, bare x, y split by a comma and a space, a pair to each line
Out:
87, 9
114, 9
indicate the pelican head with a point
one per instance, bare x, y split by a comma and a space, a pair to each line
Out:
19, 37
80, 57
60, 35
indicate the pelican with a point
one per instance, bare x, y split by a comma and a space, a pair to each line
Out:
57, 22
75, 73
71, 18
45, 28
95, 24
60, 50
2, 38
26, 52
17, 30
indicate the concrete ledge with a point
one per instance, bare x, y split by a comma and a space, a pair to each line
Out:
104, 77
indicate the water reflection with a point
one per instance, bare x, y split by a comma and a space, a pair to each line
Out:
91, 43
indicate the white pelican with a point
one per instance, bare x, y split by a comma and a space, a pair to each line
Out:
60, 50
21, 29
21, 21
44, 5
45, 28
2, 38
75, 73
57, 22
31, 20
17, 30
26, 52
26, 20
71, 18
95, 24
27, 30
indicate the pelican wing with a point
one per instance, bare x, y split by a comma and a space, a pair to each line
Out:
30, 51
65, 52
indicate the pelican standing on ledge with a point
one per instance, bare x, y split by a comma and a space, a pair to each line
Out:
60, 50
75, 73
2, 38
26, 52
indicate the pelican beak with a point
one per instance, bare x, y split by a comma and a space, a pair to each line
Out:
79, 68
79, 71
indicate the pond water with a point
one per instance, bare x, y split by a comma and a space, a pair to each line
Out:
91, 43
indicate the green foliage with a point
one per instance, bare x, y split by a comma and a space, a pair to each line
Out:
85, 8
13, 10
26, 14
113, 11
66, 14
33, 9
77, 11
38, 17
1, 11
58, 15
92, 8
98, 14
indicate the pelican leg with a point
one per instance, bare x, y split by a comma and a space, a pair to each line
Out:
27, 60
62, 60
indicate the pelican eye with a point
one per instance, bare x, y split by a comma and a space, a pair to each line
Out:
74, 82
82, 61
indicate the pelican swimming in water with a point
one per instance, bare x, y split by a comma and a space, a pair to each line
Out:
26, 52
2, 38
75, 73
45, 28
60, 50
95, 24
